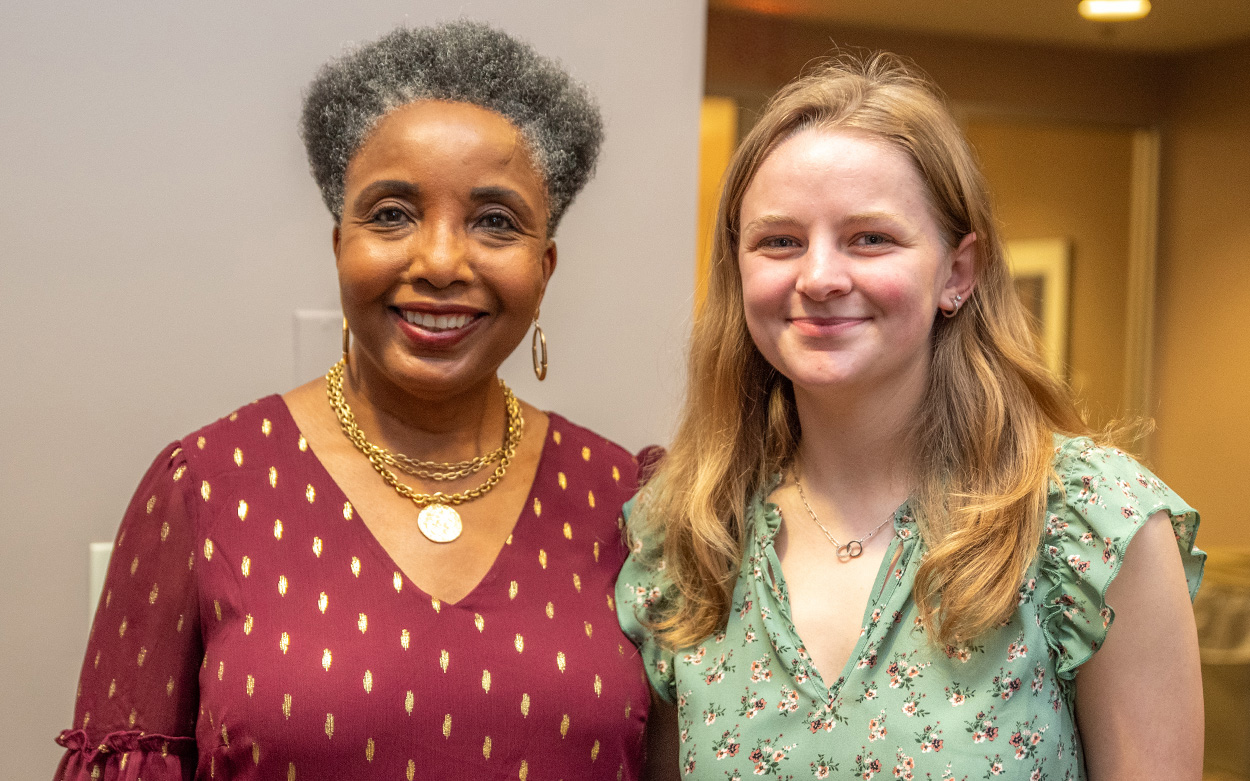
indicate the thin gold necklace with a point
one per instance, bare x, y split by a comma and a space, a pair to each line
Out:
851, 550
438, 519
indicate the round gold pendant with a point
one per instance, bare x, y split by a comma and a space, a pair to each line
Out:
439, 523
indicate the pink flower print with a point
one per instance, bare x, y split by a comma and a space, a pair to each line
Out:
957, 699
1128, 512
749, 636
696, 657
760, 671
789, 702
909, 707
996, 767
913, 671
1087, 538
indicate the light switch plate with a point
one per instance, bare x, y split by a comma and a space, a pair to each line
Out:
97, 570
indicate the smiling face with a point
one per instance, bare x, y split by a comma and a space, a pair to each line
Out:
843, 264
442, 252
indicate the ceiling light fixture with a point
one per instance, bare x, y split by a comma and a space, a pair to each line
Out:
1114, 10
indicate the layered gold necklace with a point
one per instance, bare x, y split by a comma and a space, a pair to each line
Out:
438, 519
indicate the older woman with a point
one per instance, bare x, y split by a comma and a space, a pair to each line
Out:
401, 570
883, 541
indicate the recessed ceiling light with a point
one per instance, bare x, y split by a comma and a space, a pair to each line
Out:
1114, 10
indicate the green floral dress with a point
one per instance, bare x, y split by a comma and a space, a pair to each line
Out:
751, 703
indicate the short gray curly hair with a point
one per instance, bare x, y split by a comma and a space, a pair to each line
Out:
464, 62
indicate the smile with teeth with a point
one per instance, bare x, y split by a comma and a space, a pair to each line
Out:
431, 322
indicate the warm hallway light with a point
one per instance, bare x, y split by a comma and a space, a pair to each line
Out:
1114, 10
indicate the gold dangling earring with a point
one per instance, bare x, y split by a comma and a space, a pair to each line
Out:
347, 340
538, 350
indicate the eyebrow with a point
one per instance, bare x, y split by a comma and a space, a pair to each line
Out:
769, 221
388, 186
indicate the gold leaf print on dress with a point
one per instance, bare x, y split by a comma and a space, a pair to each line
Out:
251, 685
444, 659
200, 443
562, 480
486, 681
152, 594
134, 565
282, 585
246, 566
519, 643
325, 659
164, 530
512, 588
585, 454
242, 510
286, 705
398, 582
285, 642
329, 725
347, 511
611, 603
108, 598
238, 457
525, 770
409, 700
598, 686
590, 497
479, 622
542, 558
303, 444
112, 688
577, 583
486, 747
362, 623
403, 639
538, 507
434, 603
564, 726
217, 609
560, 660
143, 653
266, 427
255, 753
568, 531
121, 630
151, 504
273, 477
629, 705
225, 736
368, 682
589, 629
179, 472
525, 705
290, 772
169, 690
208, 550
277, 529
221, 669
247, 624
310, 493
594, 751
447, 726
551, 610
412, 770
596, 552
369, 750
206, 490
556, 436
323, 602
616, 474
356, 566
317, 547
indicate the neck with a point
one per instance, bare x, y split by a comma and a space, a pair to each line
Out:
443, 426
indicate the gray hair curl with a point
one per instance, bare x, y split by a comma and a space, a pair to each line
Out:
464, 62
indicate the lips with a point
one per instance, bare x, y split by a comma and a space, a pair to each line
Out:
433, 322
438, 328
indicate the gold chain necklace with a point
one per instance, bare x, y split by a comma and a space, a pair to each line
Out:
438, 519
851, 550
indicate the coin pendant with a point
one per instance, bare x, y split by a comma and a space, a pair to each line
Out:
439, 523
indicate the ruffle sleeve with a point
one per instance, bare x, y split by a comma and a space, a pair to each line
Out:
639, 588
1102, 499
138, 691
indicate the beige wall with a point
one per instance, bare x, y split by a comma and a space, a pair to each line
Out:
1203, 356
158, 229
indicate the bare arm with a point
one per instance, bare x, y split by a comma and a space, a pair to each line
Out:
662, 743
1139, 699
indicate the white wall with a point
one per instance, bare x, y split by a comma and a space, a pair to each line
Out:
158, 229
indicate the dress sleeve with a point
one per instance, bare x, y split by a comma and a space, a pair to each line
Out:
1102, 500
640, 586
138, 692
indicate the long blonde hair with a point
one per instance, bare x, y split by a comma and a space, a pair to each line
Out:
983, 434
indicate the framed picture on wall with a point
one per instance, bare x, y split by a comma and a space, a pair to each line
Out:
1041, 270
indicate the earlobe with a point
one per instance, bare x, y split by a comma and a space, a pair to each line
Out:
549, 262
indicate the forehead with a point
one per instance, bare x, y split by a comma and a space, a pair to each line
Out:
431, 137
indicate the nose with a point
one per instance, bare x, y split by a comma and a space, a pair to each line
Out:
439, 254
824, 271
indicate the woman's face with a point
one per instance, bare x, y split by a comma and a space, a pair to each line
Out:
843, 264
442, 251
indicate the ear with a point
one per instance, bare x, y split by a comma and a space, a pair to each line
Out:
963, 271
335, 235
549, 263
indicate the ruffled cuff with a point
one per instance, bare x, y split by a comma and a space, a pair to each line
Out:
125, 756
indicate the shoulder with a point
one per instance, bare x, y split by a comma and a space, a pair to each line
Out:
261, 427
578, 450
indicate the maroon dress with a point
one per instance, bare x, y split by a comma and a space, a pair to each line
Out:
252, 627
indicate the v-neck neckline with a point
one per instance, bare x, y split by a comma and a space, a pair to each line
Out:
382, 555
